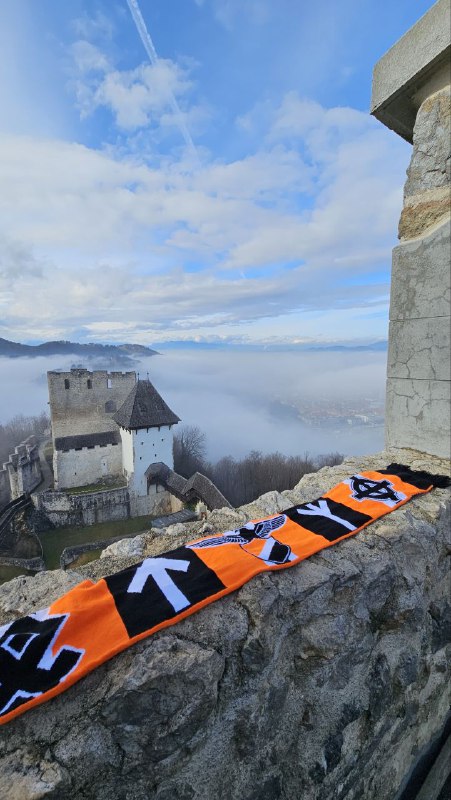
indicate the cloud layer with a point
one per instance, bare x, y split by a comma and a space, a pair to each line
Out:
128, 241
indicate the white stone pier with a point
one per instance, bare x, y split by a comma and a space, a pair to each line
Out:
411, 95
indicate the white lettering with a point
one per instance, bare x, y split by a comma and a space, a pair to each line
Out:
323, 510
158, 568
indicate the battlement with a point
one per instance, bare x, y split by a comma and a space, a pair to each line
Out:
82, 401
22, 472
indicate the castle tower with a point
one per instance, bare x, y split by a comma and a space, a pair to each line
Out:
145, 423
86, 440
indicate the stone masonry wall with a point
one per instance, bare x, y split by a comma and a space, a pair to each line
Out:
22, 472
419, 357
87, 465
67, 510
80, 409
5, 489
321, 682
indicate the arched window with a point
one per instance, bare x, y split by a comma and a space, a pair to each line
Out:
66, 383
89, 383
109, 383
110, 406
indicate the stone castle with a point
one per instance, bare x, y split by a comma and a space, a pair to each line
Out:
106, 426
113, 436
107, 423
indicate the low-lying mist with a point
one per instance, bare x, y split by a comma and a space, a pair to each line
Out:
242, 401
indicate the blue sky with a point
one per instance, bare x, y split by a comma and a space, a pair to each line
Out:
231, 187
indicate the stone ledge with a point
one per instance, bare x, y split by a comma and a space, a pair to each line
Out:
321, 681
404, 69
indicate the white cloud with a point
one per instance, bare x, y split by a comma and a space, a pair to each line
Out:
95, 25
105, 242
136, 98
229, 12
139, 96
88, 58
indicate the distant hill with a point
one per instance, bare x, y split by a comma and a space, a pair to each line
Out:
123, 354
189, 344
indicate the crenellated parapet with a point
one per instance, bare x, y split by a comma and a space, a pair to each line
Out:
22, 472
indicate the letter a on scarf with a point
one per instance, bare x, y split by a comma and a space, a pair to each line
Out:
46, 652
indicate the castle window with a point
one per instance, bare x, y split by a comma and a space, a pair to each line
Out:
89, 383
66, 383
110, 406
109, 383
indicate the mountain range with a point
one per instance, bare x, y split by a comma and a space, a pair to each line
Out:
121, 354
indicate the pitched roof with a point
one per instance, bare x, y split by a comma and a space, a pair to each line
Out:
196, 487
144, 408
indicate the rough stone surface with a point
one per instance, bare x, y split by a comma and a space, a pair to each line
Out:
422, 213
420, 276
318, 682
419, 353
126, 547
419, 348
418, 411
430, 164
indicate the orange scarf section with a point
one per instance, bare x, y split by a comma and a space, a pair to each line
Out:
43, 654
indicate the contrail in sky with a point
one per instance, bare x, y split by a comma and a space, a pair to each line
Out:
153, 56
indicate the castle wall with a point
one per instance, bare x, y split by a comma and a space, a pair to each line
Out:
150, 446
5, 489
127, 452
66, 510
22, 472
80, 408
157, 502
85, 466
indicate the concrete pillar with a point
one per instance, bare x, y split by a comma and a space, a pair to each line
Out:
411, 95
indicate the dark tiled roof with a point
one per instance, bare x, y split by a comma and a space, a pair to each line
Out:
203, 488
87, 440
144, 408
198, 487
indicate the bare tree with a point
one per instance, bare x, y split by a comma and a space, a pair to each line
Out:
189, 450
242, 481
19, 428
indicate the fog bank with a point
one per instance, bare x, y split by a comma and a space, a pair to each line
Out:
243, 401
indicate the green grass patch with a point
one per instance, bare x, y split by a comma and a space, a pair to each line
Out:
7, 573
54, 541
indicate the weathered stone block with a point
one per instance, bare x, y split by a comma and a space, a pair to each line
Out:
418, 415
419, 348
429, 166
421, 281
417, 59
